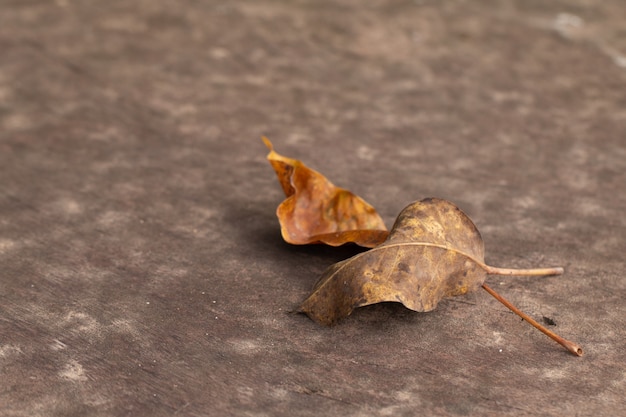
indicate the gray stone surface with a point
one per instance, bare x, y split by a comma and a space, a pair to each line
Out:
142, 269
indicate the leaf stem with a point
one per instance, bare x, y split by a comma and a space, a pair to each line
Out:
492, 270
571, 346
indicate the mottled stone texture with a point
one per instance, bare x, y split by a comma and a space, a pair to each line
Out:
141, 266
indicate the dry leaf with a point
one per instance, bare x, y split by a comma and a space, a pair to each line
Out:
434, 251
317, 211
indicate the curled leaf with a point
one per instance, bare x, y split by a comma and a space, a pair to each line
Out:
317, 211
433, 251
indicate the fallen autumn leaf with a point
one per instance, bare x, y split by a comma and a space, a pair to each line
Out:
433, 251
316, 211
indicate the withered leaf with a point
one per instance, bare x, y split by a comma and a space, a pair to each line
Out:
316, 211
433, 251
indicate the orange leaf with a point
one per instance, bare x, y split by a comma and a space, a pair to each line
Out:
316, 211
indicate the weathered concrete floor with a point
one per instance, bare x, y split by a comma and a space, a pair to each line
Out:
142, 270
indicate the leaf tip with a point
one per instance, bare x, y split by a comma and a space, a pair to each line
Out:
267, 143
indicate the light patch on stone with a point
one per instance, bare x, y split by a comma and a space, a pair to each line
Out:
6, 245
73, 371
9, 350
366, 153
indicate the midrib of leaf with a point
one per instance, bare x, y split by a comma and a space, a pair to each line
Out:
384, 247
434, 245
490, 270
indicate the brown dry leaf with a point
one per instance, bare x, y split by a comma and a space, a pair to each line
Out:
434, 251
317, 211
